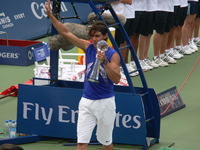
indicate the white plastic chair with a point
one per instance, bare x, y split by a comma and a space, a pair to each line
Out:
74, 71
69, 71
73, 62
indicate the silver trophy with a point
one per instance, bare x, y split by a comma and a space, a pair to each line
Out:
94, 76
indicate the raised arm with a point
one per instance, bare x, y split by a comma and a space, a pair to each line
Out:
63, 30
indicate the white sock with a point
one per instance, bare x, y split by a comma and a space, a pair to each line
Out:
161, 55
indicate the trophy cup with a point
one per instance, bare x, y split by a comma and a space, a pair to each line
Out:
94, 77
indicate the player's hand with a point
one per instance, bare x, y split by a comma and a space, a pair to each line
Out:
101, 55
47, 6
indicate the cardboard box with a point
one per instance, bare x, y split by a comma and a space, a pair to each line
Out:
18, 52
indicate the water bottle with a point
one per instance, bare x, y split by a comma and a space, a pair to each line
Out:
9, 123
13, 129
6, 129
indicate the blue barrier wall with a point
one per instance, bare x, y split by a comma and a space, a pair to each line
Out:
18, 52
28, 20
53, 110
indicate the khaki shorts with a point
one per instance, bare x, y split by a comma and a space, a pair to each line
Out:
96, 112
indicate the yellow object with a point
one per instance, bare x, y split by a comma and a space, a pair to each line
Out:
112, 30
81, 59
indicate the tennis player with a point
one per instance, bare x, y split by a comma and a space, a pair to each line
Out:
97, 105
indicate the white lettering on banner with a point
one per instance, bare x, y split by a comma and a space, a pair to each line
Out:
30, 55
62, 112
63, 7
126, 120
2, 14
45, 117
9, 55
19, 16
39, 9
73, 119
25, 109
48, 119
5, 21
7, 25
37, 111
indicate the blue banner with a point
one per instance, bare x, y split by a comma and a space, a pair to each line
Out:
27, 19
53, 111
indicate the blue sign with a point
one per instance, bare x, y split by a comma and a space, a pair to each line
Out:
18, 52
53, 111
28, 19
41, 53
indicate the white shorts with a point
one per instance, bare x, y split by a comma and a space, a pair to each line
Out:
96, 112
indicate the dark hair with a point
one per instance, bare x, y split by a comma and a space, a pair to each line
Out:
10, 147
98, 26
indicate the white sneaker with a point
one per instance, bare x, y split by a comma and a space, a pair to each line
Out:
170, 52
131, 70
160, 62
144, 66
177, 55
197, 41
173, 52
186, 50
133, 65
191, 49
193, 46
168, 59
180, 49
151, 63
134, 74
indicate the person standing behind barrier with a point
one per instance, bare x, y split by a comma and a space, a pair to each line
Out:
170, 50
187, 42
129, 13
133, 28
124, 7
147, 31
196, 38
163, 24
182, 13
140, 7
97, 105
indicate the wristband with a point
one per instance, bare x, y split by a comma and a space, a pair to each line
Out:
105, 62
